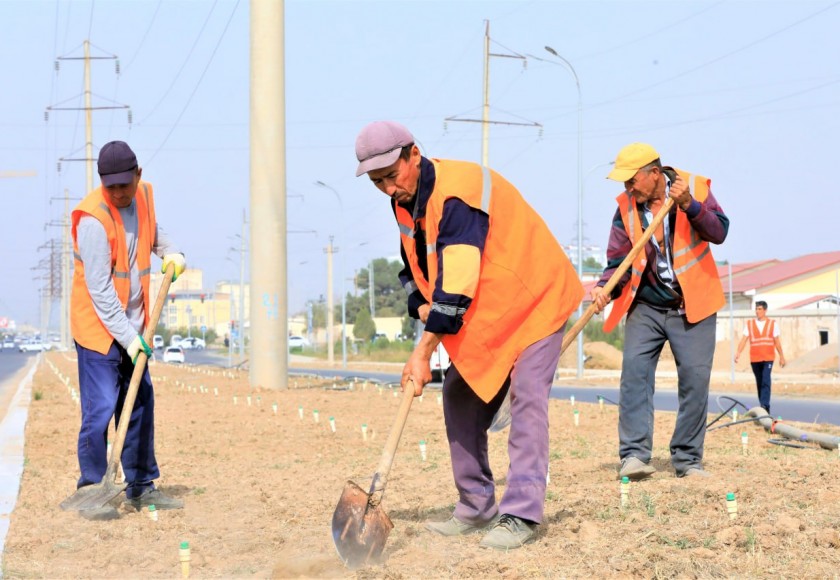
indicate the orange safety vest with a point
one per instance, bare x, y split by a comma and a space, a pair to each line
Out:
526, 287
762, 344
85, 324
693, 262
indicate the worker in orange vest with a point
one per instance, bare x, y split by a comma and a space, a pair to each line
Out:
489, 280
763, 334
672, 292
115, 230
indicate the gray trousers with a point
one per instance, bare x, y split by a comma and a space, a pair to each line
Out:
693, 345
467, 419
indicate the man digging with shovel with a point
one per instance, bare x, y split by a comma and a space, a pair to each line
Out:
490, 281
114, 233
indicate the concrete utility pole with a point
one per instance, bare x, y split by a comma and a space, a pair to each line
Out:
330, 250
370, 290
485, 108
242, 246
269, 318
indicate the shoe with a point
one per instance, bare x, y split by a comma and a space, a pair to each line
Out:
101, 514
695, 472
455, 527
635, 469
509, 533
156, 498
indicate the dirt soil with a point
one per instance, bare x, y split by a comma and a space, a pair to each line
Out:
260, 489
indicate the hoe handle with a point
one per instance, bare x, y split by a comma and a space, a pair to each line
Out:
380, 478
137, 376
619, 272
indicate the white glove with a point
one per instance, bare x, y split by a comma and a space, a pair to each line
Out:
178, 260
136, 346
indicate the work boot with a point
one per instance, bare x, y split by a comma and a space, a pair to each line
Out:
455, 527
635, 469
696, 471
509, 533
156, 498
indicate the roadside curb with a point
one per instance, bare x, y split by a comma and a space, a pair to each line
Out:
11, 452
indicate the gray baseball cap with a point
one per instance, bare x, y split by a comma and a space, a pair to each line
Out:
379, 143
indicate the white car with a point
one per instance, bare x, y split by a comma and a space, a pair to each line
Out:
8, 344
157, 342
192, 343
298, 342
439, 363
173, 354
33, 346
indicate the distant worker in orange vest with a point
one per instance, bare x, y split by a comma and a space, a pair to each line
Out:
114, 231
489, 280
672, 293
763, 335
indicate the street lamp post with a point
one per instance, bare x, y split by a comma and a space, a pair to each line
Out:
343, 299
568, 66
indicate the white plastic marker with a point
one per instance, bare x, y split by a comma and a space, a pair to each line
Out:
300, 412
577, 417
744, 440
248, 398
234, 399
184, 557
274, 408
364, 431
316, 416
422, 450
332, 424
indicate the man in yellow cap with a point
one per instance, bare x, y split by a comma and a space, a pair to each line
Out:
672, 292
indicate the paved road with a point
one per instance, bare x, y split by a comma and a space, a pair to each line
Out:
806, 410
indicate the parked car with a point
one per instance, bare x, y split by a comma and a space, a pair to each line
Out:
8, 343
33, 345
157, 342
298, 342
173, 354
439, 363
175, 340
192, 343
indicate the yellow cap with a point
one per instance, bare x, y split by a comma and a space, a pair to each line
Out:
630, 159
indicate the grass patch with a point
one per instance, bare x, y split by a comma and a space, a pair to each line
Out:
37, 395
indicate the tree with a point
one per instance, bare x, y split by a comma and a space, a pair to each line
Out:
364, 326
409, 327
592, 264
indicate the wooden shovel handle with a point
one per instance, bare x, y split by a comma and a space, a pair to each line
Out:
380, 478
619, 272
137, 376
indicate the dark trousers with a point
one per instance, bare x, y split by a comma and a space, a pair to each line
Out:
762, 371
103, 385
467, 419
693, 345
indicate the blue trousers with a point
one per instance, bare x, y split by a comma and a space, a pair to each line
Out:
693, 345
762, 372
103, 385
467, 419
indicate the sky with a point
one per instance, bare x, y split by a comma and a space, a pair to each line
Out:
746, 93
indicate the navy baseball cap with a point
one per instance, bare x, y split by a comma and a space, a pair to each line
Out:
117, 164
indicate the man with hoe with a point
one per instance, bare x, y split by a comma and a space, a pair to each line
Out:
114, 232
488, 279
672, 292
763, 335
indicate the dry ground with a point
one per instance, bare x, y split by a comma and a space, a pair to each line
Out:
260, 489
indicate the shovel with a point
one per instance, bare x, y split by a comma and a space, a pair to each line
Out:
97, 495
502, 418
360, 526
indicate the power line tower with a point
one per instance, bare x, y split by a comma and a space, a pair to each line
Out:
88, 108
66, 261
485, 117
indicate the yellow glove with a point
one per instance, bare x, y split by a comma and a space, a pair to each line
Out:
136, 346
178, 260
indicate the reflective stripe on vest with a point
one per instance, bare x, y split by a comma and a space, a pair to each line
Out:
526, 285
693, 264
762, 344
86, 327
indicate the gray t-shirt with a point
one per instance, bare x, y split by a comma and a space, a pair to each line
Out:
95, 252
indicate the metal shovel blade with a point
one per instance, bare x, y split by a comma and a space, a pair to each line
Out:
359, 530
93, 496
